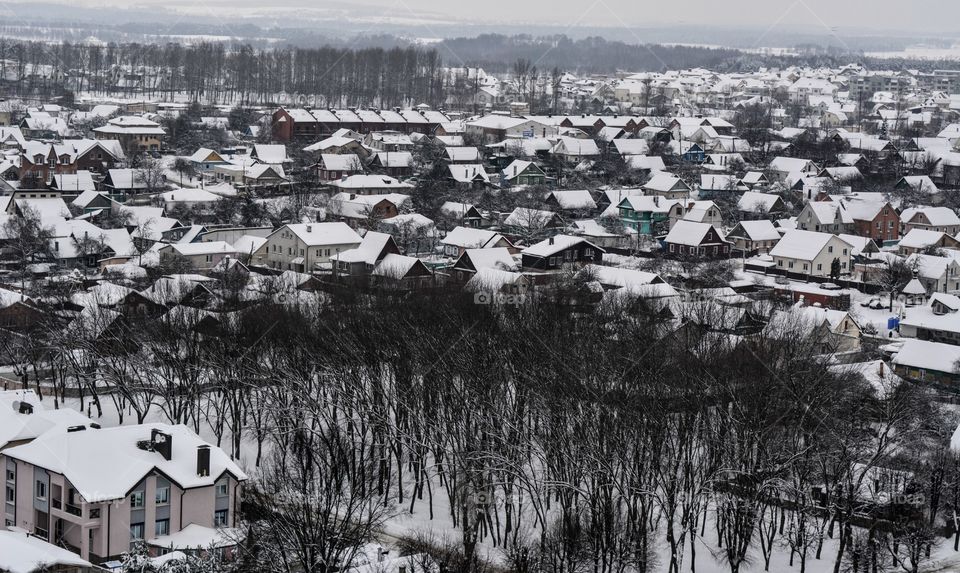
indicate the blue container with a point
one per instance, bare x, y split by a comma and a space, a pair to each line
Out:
893, 323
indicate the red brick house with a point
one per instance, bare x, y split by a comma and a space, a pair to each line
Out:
878, 221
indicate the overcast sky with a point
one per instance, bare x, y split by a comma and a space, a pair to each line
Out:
913, 17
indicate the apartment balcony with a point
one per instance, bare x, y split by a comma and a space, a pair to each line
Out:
74, 510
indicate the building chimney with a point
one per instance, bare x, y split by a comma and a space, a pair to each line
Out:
162, 443
23, 407
203, 461
309, 228
551, 240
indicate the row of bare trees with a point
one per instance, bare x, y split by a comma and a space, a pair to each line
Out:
545, 439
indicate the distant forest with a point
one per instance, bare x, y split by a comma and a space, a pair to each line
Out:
496, 53
371, 75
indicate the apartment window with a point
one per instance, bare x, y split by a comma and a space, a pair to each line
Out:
136, 500
805, 266
10, 475
830, 249
209, 258
136, 531
552, 261
163, 495
819, 267
161, 527
221, 489
10, 495
41, 490
220, 518
779, 262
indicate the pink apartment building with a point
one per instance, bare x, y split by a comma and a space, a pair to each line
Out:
98, 491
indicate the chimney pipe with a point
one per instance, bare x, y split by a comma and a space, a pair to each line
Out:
162, 443
203, 461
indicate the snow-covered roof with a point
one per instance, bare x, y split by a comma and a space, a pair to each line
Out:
17, 427
367, 251
554, 245
803, 245
752, 201
921, 239
199, 538
79, 457
395, 266
20, 552
470, 238
574, 199
689, 233
928, 356
761, 230
314, 234
495, 258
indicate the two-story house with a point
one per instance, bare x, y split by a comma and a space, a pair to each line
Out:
812, 253
554, 253
301, 247
650, 215
825, 217
99, 491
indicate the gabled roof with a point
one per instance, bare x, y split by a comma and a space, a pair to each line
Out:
690, 233
574, 199
79, 457
316, 234
469, 238
761, 230
803, 245
554, 245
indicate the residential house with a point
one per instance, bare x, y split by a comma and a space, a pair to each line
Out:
365, 210
332, 167
755, 205
394, 164
754, 237
474, 260
200, 256
942, 219
938, 320
469, 175
825, 217
919, 240
553, 253
572, 201
812, 253
698, 240
650, 215
461, 214
460, 239
304, 247
928, 362
936, 274
876, 220
521, 172
204, 160
400, 272
133, 132
360, 262
667, 186
370, 185
529, 222
703, 212
171, 480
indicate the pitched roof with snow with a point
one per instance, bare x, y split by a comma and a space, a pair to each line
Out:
79, 456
